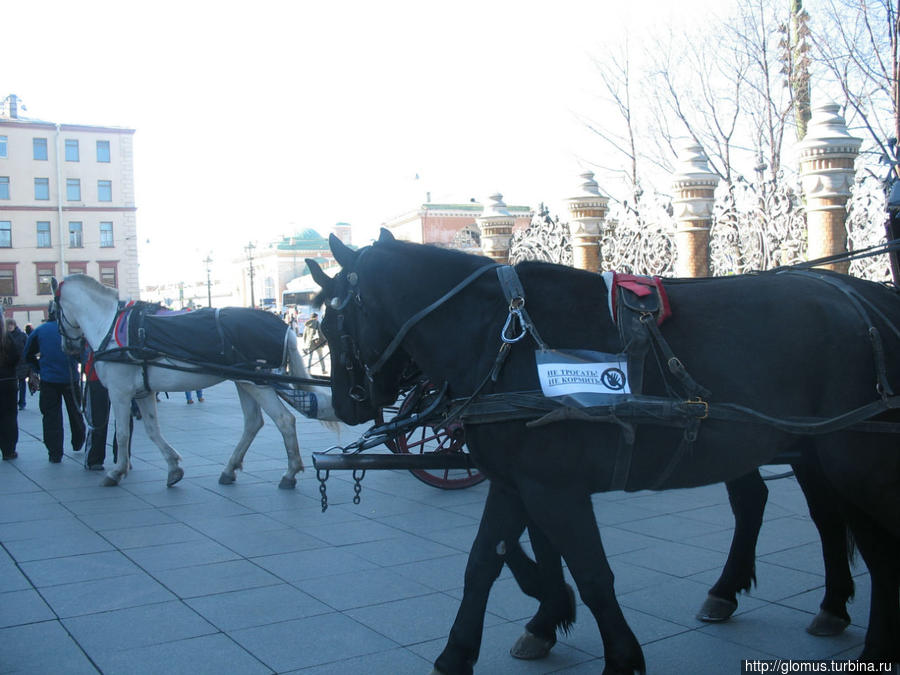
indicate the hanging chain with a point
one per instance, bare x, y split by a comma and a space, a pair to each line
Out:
322, 487
358, 475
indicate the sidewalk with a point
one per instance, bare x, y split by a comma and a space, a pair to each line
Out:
246, 578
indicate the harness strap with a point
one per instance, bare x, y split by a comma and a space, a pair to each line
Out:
515, 296
676, 367
422, 313
856, 300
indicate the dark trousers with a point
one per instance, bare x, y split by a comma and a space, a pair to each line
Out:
96, 413
9, 413
51, 399
21, 392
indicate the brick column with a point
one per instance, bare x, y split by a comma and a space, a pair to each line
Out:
827, 155
694, 185
588, 210
496, 224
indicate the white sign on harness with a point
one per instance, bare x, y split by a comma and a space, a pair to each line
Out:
572, 372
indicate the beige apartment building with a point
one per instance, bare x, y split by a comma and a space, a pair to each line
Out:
66, 207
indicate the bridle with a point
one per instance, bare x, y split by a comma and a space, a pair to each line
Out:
349, 354
74, 345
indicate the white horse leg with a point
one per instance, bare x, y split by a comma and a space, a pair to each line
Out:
147, 406
287, 425
253, 422
121, 410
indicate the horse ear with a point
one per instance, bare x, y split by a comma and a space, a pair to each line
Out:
318, 274
342, 253
386, 235
54, 285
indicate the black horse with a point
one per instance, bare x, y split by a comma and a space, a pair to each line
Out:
776, 351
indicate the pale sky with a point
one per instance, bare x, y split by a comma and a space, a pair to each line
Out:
256, 119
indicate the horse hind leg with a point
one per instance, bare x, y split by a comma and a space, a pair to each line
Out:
150, 417
747, 496
825, 511
880, 549
253, 422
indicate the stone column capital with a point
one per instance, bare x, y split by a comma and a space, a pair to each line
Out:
496, 224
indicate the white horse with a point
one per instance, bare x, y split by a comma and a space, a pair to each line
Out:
87, 309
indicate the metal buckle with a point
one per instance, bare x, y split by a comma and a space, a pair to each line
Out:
697, 400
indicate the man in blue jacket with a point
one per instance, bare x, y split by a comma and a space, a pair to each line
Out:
59, 382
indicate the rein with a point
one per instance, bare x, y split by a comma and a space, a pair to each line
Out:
421, 314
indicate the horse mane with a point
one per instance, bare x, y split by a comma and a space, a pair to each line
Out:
92, 285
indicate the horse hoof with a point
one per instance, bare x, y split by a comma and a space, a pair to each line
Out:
530, 647
826, 624
175, 475
226, 479
287, 483
716, 609
109, 482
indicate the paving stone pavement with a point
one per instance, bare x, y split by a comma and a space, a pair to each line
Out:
247, 578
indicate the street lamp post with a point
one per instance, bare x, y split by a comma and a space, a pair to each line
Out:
208, 282
249, 249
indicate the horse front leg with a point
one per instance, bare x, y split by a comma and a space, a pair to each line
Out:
747, 495
566, 517
502, 523
253, 422
544, 581
150, 417
287, 425
120, 405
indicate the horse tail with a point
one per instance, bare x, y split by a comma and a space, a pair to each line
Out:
325, 410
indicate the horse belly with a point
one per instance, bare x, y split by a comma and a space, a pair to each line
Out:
723, 451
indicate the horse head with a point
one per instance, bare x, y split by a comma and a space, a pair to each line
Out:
70, 333
361, 383
83, 308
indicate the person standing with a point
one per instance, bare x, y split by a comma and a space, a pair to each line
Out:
10, 355
22, 369
59, 383
313, 342
96, 414
190, 401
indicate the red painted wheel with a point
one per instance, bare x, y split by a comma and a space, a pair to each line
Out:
430, 439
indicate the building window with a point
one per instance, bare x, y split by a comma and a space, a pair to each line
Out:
45, 272
71, 150
76, 238
73, 189
106, 235
43, 234
77, 267
7, 281
4, 187
108, 275
41, 189
39, 148
102, 151
104, 190
3, 146
5, 234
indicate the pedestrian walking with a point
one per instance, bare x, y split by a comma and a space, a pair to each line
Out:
10, 356
22, 370
59, 380
190, 401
